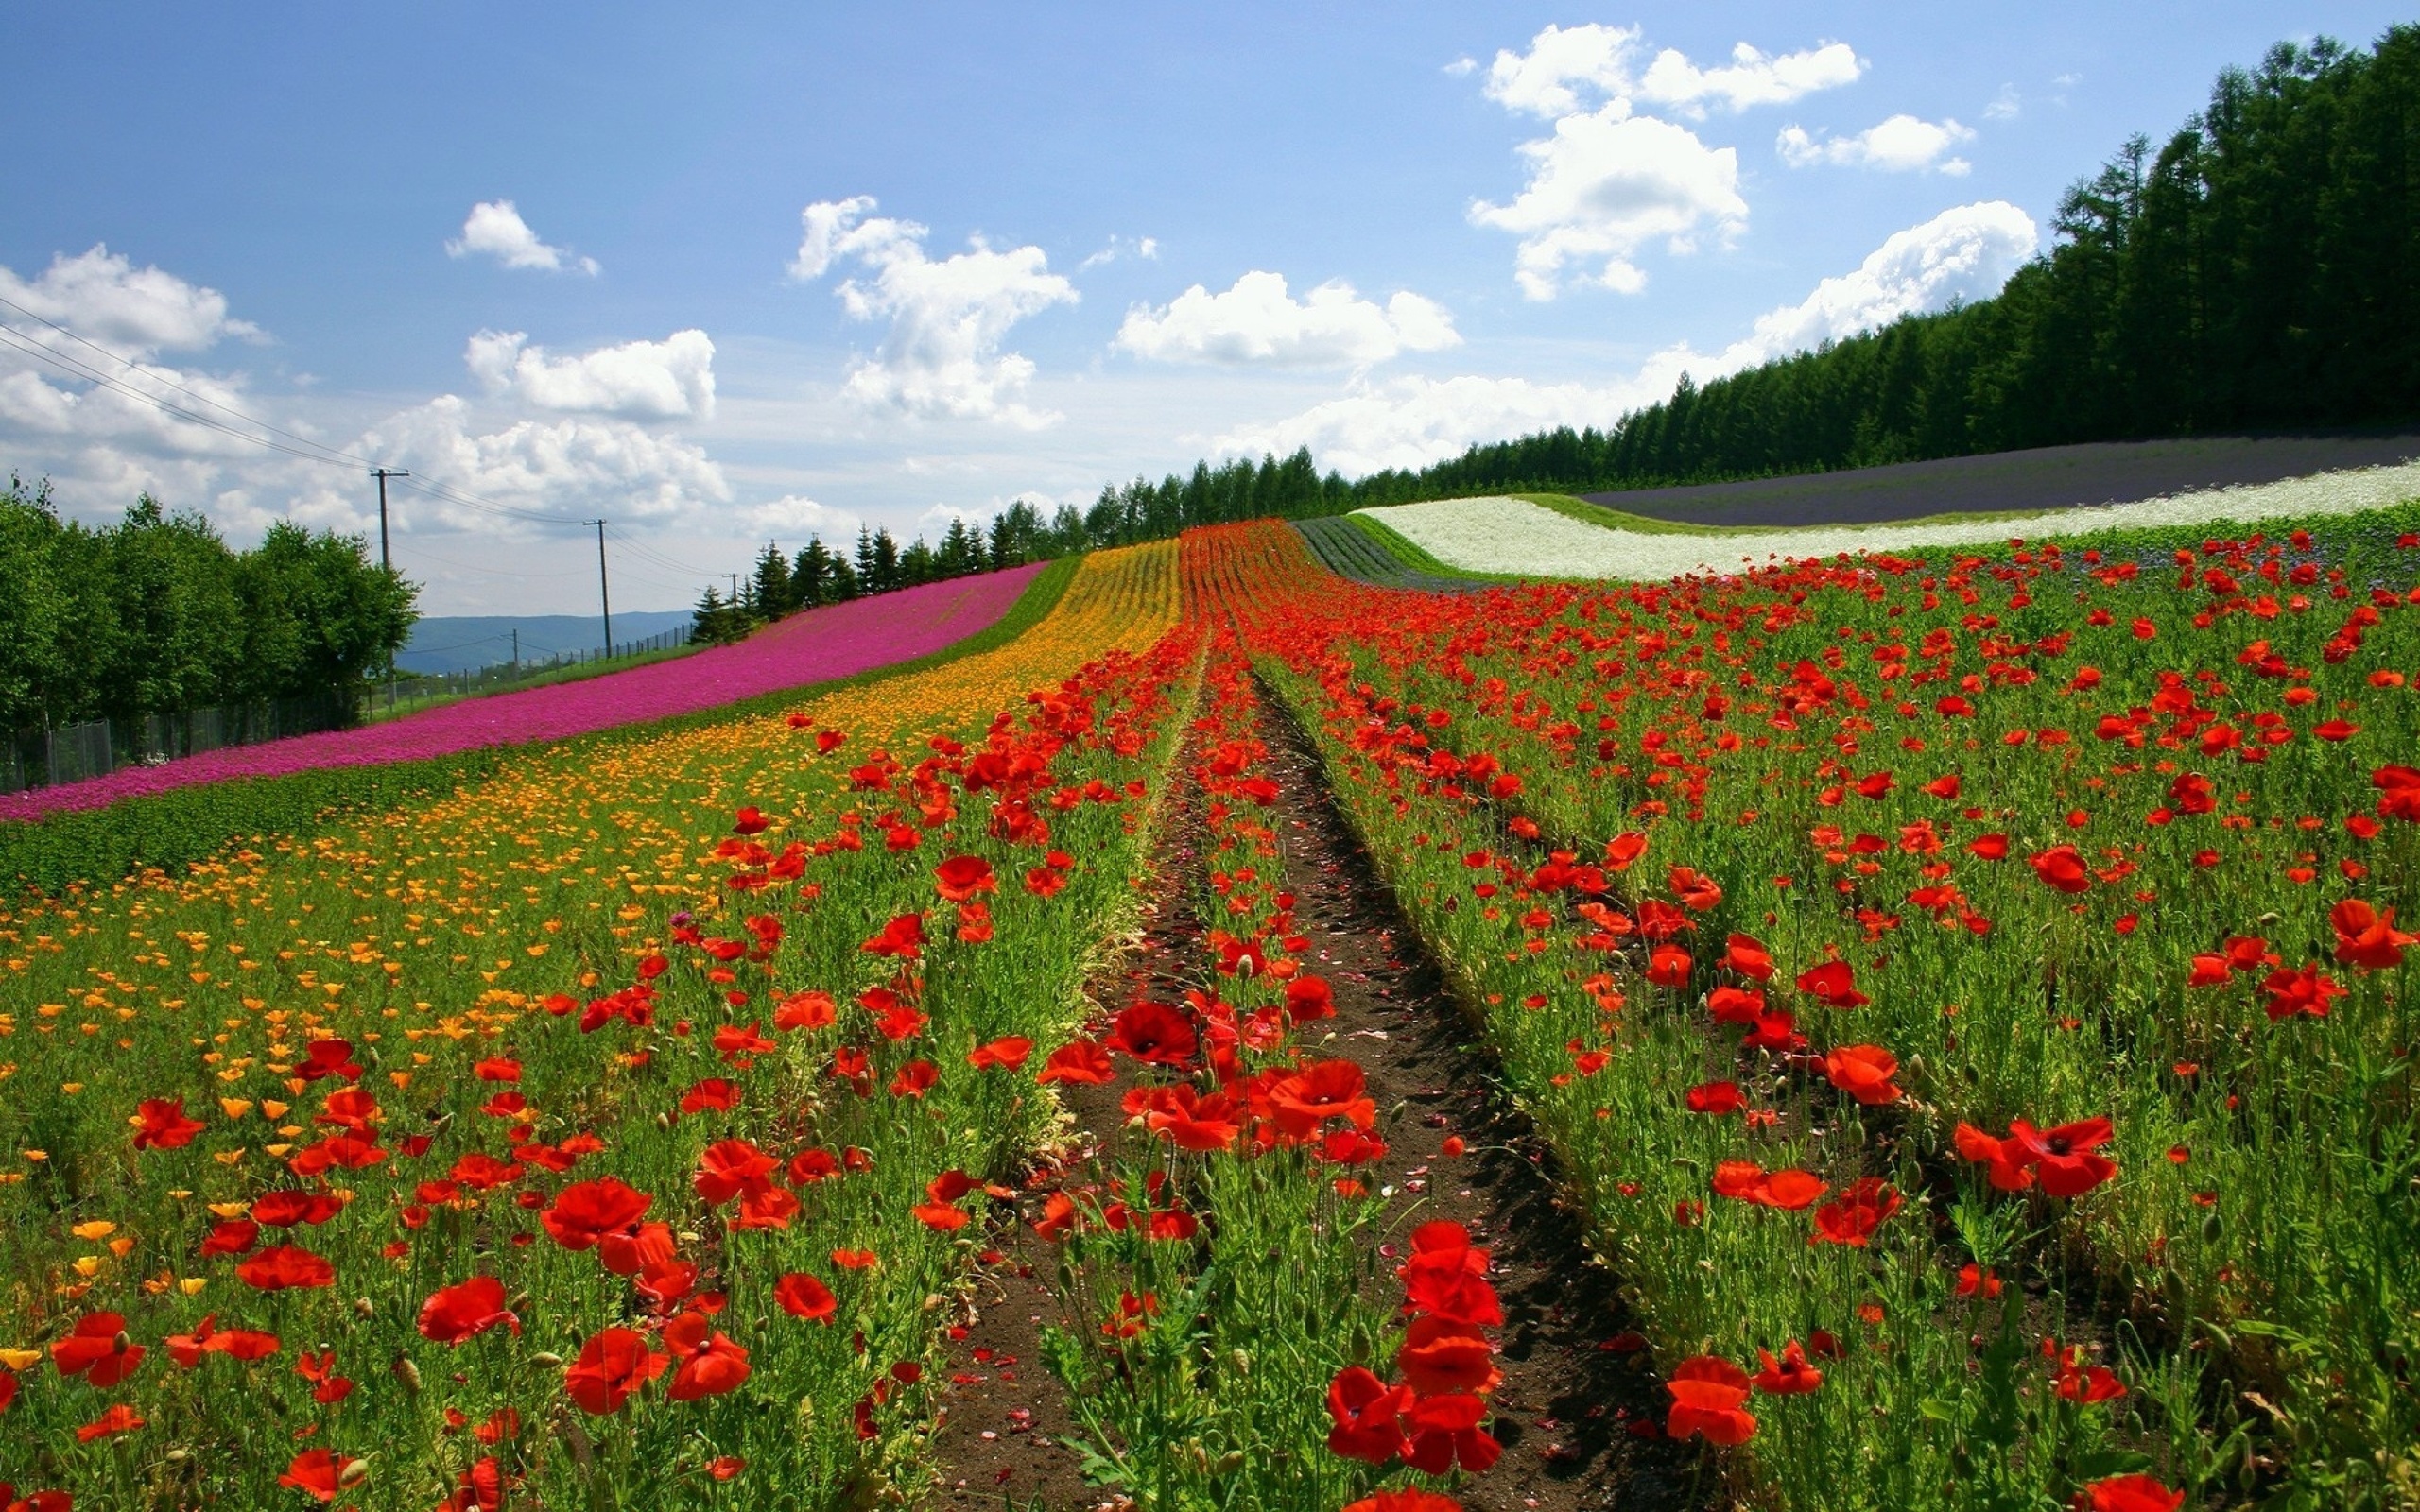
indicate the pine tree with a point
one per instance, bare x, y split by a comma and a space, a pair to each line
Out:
772, 585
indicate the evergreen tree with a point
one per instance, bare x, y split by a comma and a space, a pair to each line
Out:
772, 586
811, 578
879, 571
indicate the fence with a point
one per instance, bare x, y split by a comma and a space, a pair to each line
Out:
413, 689
69, 754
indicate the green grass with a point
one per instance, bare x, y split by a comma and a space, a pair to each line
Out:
95, 847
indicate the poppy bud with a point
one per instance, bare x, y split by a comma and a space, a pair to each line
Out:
546, 1360
1241, 1361
407, 1373
2211, 1228
355, 1472
361, 1308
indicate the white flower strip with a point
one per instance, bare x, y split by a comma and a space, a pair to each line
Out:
1514, 536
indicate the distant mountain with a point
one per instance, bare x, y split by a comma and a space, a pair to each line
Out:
464, 643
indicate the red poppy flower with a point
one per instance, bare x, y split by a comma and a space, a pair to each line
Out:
1006, 1054
2307, 991
118, 1419
1153, 1033
1624, 848
2207, 970
1308, 1098
2009, 1169
322, 1472
802, 1295
706, 1362
1851, 1219
1044, 883
959, 878
465, 1310
2131, 1493
2062, 867
1832, 983
1988, 848
903, 937
329, 1057
97, 1349
1364, 1412
1715, 1097
1079, 1062
8, 1387
1437, 1357
1444, 1433
281, 1267
160, 1124
1446, 1278
1669, 966
2366, 937
805, 1010
1192, 1122
728, 1167
586, 1212
1706, 1393
1307, 997
1407, 1499
1745, 954
230, 1236
611, 1364
2065, 1156
1864, 1072
1732, 1005
1788, 1376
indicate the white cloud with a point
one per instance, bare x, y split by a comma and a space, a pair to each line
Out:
494, 229
1752, 79
104, 298
671, 379
1605, 184
794, 517
1461, 67
2006, 105
609, 466
1145, 248
941, 357
1899, 145
1964, 253
1548, 79
1257, 322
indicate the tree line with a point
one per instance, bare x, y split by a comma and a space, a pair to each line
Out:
2260, 269
156, 616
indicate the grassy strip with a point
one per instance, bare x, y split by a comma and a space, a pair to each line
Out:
1417, 558
91, 847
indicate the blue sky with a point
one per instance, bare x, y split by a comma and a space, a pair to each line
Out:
277, 189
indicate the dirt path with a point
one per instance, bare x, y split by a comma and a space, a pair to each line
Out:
1574, 1389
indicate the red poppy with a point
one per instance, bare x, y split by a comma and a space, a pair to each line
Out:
1624, 848
586, 1212
1044, 883
1832, 983
959, 878
1988, 848
2065, 1156
611, 1364
98, 1350
940, 1211
1307, 997
1407, 1499
281, 1267
1715, 1097
903, 937
2365, 936
1745, 954
1706, 1393
2307, 991
1308, 1098
1364, 1412
706, 1362
1444, 1433
160, 1124
8, 1387
2207, 970
1788, 1376
1446, 1278
1439, 1357
1155, 1034
1079, 1062
118, 1419
802, 1295
1851, 1219
2062, 867
729, 1167
1006, 1054
805, 1010
465, 1310
329, 1057
1732, 1005
1864, 1072
2009, 1169
1669, 966
2131, 1493
1192, 1122
322, 1472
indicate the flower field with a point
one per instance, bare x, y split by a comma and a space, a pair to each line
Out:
818, 646
1514, 536
1958, 995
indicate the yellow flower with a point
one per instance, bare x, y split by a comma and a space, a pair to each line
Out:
96, 1229
234, 1107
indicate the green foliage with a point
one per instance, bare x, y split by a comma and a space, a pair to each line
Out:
155, 615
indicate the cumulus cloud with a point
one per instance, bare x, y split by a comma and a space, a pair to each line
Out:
941, 356
104, 298
1961, 254
1604, 185
1903, 144
1147, 249
552, 466
1563, 63
1257, 322
794, 517
671, 379
494, 229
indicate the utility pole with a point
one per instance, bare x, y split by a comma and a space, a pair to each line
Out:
604, 598
516, 650
382, 474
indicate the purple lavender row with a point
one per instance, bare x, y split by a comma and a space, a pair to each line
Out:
816, 646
